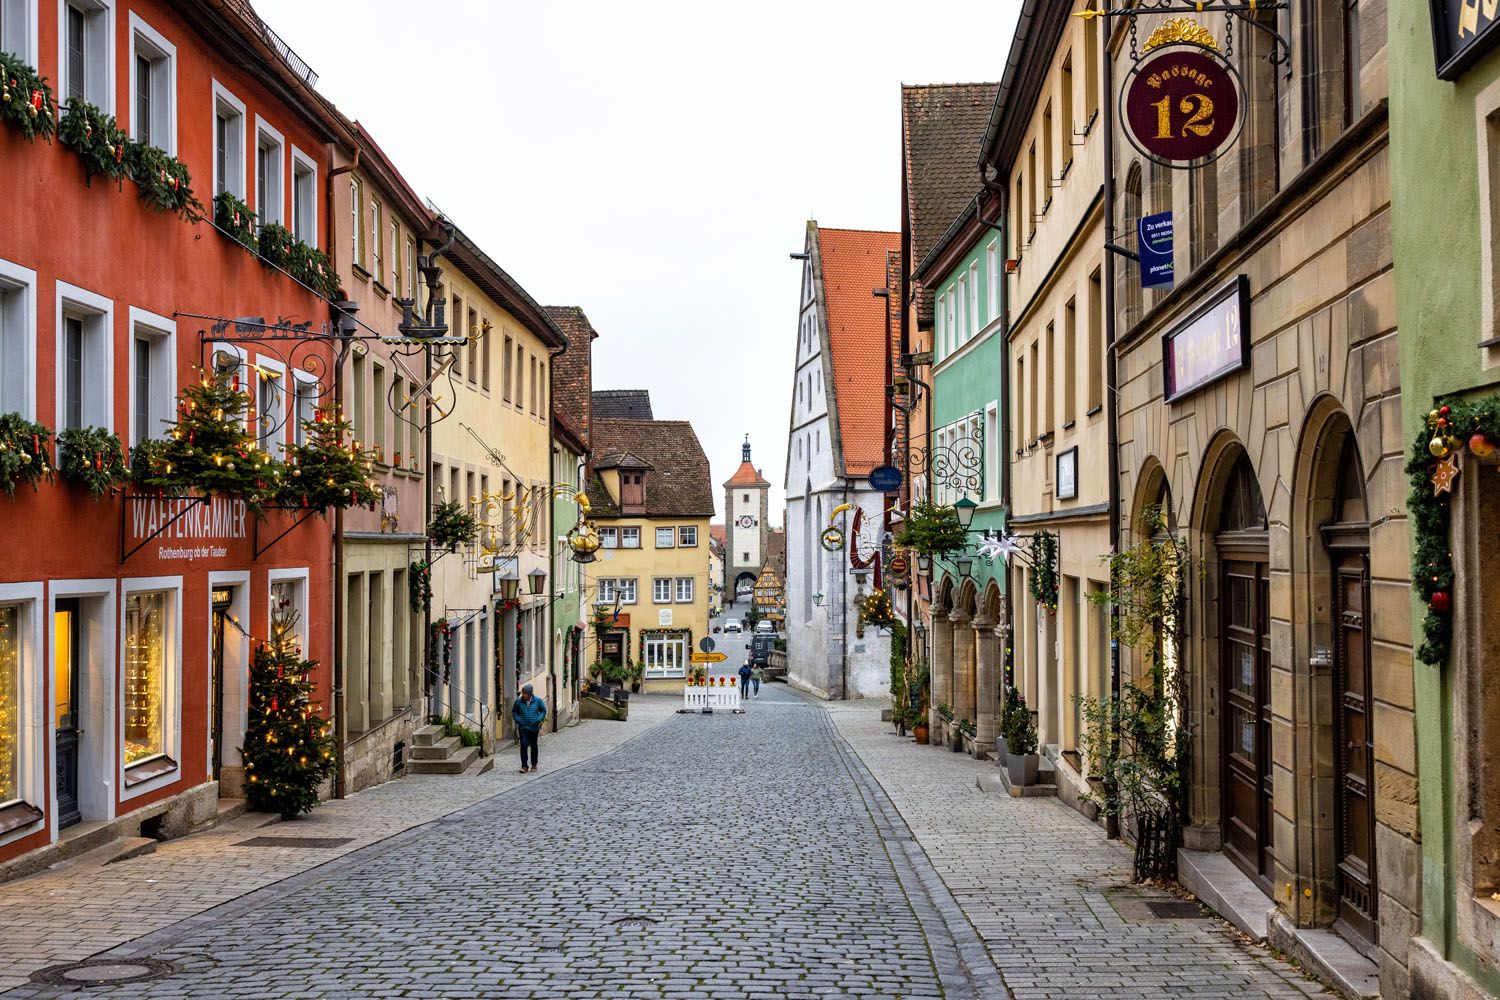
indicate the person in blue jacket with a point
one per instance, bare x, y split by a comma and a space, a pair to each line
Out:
530, 712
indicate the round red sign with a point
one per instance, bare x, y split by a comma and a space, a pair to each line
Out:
1181, 105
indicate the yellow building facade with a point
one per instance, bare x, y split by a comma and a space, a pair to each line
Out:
492, 452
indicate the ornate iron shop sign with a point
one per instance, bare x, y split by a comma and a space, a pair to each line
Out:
1211, 343
1462, 31
1181, 104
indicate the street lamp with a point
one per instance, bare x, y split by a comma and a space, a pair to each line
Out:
508, 588
537, 578
924, 563
818, 599
965, 508
965, 564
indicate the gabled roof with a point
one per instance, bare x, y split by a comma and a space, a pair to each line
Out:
622, 460
572, 370
716, 535
746, 475
942, 126
852, 262
622, 404
677, 478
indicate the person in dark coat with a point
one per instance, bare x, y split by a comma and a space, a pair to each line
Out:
529, 712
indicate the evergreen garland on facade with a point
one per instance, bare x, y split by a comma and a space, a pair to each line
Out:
92, 457
26, 99
97, 139
289, 748
419, 585
163, 181
1044, 570
234, 217
23, 452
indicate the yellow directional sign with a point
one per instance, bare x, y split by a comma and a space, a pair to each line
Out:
710, 657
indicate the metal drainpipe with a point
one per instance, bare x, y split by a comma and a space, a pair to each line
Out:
1111, 404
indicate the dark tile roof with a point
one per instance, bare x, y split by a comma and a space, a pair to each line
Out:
572, 370
942, 126
622, 404
677, 483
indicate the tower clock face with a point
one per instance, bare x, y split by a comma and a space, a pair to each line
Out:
745, 521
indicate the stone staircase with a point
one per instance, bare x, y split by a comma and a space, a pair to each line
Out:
432, 752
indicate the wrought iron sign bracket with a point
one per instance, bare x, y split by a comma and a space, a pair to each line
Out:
1123, 252
191, 502
1242, 10
303, 514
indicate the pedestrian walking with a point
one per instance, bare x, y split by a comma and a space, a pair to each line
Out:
530, 712
745, 679
757, 674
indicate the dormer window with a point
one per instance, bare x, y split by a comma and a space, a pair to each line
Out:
632, 489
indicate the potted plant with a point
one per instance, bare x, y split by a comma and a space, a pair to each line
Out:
1099, 725
1022, 760
1007, 717
919, 730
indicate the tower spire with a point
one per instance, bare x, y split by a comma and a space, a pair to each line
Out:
745, 451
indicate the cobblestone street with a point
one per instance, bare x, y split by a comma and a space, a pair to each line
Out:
723, 856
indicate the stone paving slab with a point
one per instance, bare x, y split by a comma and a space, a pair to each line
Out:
1041, 885
67, 915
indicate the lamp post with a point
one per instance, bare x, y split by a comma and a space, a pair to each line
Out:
509, 587
537, 579
965, 508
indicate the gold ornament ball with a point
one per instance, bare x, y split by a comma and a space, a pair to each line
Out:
1438, 446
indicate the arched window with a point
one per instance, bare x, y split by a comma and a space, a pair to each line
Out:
1243, 508
1130, 226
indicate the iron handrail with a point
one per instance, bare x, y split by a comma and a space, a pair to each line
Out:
443, 701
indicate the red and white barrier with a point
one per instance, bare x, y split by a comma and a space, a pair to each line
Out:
713, 694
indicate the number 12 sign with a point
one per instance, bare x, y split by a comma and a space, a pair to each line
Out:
1182, 105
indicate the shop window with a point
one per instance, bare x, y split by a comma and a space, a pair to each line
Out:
229, 143
666, 538
153, 87
18, 33
10, 703
84, 359
1476, 665
153, 371
270, 198
304, 198
665, 654
147, 655
17, 340
86, 39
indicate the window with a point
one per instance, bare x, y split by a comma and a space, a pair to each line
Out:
632, 492
18, 37
965, 325
626, 590
1048, 141
377, 410
992, 279
270, 405
535, 385
1035, 416
1031, 194
304, 198
153, 370
630, 538
975, 323
1020, 223
356, 222
412, 291
505, 375
609, 538
12, 640
377, 245
229, 143
1203, 211
744, 557
1070, 362
473, 333
661, 591
146, 662
1091, 69
684, 590
17, 339
666, 538
520, 388
153, 87
953, 321
941, 334
84, 359
1096, 342
287, 612
1020, 418
396, 257
687, 536
270, 192
1130, 228
356, 410
86, 52
992, 452
1051, 383
666, 654
304, 405
1065, 108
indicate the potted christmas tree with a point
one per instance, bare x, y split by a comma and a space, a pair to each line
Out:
289, 748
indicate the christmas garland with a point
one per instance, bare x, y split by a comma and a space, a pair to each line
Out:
96, 138
1431, 471
26, 99
23, 452
685, 632
163, 181
419, 585
93, 457
440, 632
234, 217
1044, 570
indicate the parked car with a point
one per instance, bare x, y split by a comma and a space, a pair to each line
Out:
733, 625
764, 627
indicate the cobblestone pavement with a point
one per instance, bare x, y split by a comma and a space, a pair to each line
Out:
1050, 897
716, 856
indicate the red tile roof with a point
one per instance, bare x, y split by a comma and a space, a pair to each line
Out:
853, 262
746, 475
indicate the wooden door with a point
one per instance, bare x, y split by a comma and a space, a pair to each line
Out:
1354, 752
1246, 756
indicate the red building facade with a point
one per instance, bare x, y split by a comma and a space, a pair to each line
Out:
125, 635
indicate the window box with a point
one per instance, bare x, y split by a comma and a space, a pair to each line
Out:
148, 769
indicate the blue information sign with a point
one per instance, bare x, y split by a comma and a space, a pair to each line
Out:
1155, 245
885, 479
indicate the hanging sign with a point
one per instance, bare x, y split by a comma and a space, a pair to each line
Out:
885, 479
1211, 343
1154, 242
1462, 31
1181, 105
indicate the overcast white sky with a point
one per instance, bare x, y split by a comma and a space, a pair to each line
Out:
652, 162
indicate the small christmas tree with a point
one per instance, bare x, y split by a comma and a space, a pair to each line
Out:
289, 748
327, 470
209, 448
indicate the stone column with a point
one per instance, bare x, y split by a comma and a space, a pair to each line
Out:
987, 685
963, 667
941, 666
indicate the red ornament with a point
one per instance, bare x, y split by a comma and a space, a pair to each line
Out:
1443, 410
1481, 446
1441, 601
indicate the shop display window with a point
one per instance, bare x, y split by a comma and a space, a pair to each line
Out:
145, 677
10, 703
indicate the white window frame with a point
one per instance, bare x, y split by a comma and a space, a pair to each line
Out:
98, 408
269, 437
307, 166
265, 133
18, 337
974, 323
940, 340
965, 321
671, 538
992, 277
609, 538
604, 590
31, 711
242, 369
626, 588
654, 645
234, 147
304, 403
951, 314
300, 576
171, 685
684, 532
992, 452
163, 334
661, 590
104, 87
630, 531
18, 18
691, 590
163, 105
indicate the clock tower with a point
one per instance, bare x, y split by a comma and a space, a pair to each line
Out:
747, 498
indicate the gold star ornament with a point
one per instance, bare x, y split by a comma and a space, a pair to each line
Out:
1444, 475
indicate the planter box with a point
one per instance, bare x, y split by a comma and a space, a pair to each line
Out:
1000, 750
1022, 768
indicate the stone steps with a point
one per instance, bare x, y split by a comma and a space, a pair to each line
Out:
456, 761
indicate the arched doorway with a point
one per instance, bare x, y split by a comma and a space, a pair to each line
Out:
1243, 545
1347, 540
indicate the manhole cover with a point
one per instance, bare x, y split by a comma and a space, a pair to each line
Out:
318, 842
1175, 909
635, 923
104, 972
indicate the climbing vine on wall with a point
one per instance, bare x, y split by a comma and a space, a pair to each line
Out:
1044, 570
